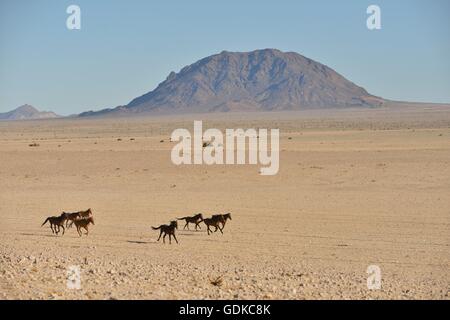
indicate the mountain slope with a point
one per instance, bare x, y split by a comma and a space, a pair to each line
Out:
27, 112
259, 80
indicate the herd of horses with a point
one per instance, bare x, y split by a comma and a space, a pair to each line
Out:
217, 221
82, 219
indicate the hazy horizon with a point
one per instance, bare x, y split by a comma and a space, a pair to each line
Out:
125, 49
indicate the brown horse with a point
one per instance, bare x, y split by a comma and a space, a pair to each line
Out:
56, 223
167, 230
194, 219
214, 221
83, 223
77, 215
223, 218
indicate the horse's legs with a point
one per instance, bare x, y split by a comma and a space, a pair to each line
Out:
175, 238
79, 230
220, 230
64, 230
87, 230
186, 225
164, 238
170, 238
160, 233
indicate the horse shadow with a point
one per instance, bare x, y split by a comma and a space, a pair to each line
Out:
141, 242
40, 235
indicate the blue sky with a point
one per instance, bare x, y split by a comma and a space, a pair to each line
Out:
125, 48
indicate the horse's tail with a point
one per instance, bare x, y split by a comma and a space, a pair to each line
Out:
45, 221
154, 228
184, 218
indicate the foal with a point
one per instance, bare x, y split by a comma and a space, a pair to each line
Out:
167, 230
83, 223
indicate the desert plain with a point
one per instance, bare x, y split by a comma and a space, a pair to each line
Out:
355, 188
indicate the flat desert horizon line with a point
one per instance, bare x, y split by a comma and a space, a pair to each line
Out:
390, 105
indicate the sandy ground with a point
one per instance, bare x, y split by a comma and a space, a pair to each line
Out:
355, 188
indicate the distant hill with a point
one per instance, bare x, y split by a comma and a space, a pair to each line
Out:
27, 112
261, 80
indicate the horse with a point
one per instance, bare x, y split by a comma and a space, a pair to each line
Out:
56, 223
83, 223
223, 218
167, 230
77, 215
214, 221
194, 219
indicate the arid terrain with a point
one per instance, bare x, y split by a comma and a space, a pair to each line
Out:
355, 188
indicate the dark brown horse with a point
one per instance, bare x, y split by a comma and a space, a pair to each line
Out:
56, 223
194, 219
167, 230
215, 222
223, 218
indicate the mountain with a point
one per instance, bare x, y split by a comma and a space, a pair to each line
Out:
27, 112
261, 80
